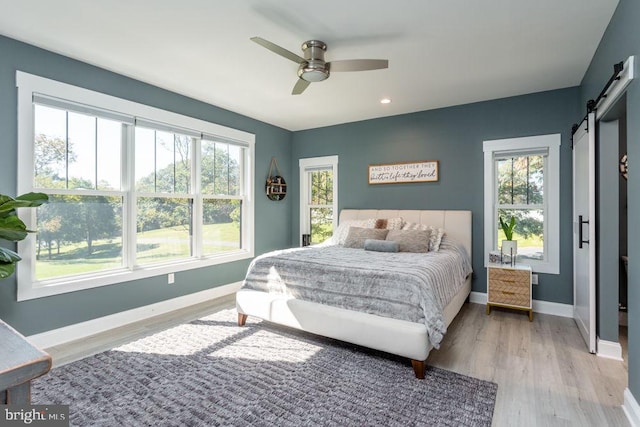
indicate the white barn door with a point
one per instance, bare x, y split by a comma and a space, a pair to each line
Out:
584, 230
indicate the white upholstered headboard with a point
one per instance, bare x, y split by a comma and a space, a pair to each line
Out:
456, 224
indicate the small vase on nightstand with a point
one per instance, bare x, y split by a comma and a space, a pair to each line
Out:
509, 251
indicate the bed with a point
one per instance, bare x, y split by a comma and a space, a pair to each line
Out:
393, 329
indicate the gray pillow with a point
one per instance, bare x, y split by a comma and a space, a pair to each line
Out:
380, 245
357, 236
410, 240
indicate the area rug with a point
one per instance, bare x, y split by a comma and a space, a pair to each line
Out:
211, 372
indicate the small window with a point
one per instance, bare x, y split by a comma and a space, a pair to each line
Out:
522, 181
520, 194
318, 197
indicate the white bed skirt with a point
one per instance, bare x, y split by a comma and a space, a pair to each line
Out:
394, 336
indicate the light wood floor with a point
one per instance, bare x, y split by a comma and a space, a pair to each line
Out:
544, 374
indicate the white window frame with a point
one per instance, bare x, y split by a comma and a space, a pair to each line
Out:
306, 165
28, 286
551, 262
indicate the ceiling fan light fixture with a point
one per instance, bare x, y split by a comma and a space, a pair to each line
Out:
313, 68
312, 73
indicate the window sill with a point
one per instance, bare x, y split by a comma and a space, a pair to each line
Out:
536, 266
66, 285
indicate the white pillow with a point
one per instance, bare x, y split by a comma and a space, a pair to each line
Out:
436, 238
340, 236
436, 233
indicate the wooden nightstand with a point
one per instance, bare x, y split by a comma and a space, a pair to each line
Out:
509, 286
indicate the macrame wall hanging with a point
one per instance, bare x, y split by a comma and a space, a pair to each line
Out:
276, 187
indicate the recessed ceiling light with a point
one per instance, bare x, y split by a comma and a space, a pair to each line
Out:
385, 101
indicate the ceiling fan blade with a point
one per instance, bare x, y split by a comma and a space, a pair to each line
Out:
279, 50
358, 64
300, 86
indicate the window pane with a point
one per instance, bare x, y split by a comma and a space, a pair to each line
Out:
164, 230
321, 224
536, 179
82, 140
70, 146
222, 225
529, 232
78, 234
163, 162
50, 147
235, 162
145, 160
321, 187
520, 180
221, 168
109, 151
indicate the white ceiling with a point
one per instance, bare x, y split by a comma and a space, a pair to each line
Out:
441, 53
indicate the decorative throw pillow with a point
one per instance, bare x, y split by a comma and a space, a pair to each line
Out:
387, 223
410, 240
436, 238
340, 235
380, 245
414, 226
357, 236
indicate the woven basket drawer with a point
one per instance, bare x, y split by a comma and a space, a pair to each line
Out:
502, 295
508, 275
509, 287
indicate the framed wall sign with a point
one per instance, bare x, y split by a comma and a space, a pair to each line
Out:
396, 173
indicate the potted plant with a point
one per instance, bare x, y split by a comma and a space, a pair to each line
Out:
509, 246
13, 229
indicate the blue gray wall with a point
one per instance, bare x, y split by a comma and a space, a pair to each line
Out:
621, 40
454, 137
272, 230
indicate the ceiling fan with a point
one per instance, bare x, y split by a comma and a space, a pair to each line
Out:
313, 67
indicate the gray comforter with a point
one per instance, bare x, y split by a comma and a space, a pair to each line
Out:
407, 286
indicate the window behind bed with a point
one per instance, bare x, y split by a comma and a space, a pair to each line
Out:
318, 197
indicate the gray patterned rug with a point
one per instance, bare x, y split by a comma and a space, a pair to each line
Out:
211, 372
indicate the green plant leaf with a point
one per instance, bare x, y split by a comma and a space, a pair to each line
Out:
28, 200
7, 270
12, 228
508, 228
7, 256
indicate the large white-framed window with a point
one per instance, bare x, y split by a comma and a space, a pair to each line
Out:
318, 197
522, 180
135, 191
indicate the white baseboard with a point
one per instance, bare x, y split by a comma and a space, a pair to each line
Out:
554, 308
94, 326
609, 349
478, 297
544, 307
631, 408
